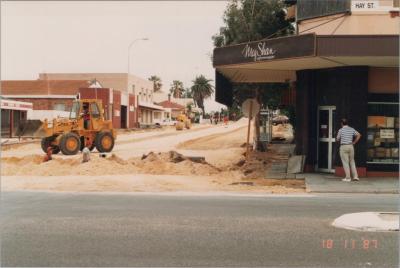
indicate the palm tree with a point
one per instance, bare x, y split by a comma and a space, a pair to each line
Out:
201, 90
156, 82
177, 89
188, 93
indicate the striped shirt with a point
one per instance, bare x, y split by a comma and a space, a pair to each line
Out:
346, 135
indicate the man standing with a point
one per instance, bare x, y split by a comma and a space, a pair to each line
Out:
348, 136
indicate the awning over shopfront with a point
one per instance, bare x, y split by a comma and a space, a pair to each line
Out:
278, 59
15, 105
150, 106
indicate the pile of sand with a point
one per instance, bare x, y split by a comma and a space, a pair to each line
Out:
283, 132
171, 163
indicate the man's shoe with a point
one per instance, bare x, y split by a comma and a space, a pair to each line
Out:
346, 179
356, 179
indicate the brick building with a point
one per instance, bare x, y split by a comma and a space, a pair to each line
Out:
45, 95
130, 86
176, 109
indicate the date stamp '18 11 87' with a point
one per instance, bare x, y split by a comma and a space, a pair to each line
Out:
363, 244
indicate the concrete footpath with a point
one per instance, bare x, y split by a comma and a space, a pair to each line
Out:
328, 183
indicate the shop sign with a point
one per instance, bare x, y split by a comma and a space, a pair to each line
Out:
264, 50
117, 113
258, 52
387, 134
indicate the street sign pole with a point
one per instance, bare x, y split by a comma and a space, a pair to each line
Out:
248, 130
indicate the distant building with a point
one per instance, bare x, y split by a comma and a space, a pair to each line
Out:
176, 109
130, 85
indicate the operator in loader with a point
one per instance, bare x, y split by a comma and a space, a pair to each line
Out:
86, 116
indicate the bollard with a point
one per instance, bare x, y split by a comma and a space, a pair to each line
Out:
85, 155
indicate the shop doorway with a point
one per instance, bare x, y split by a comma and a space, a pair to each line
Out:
326, 149
124, 112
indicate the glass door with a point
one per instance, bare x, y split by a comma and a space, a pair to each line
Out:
326, 149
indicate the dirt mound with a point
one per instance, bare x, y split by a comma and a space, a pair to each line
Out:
22, 161
119, 160
282, 132
170, 163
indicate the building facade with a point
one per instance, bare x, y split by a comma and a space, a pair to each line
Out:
343, 63
53, 98
49, 98
130, 87
175, 108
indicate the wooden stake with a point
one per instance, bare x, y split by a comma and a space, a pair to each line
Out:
248, 130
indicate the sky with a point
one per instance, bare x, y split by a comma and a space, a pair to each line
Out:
74, 37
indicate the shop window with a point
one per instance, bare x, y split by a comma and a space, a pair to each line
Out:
5, 123
383, 133
16, 120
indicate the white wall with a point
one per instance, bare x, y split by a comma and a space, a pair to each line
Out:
160, 96
43, 114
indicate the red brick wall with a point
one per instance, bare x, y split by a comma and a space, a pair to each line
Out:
132, 115
102, 94
116, 107
47, 104
42, 87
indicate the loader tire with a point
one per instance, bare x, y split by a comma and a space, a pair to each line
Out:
46, 142
104, 142
70, 143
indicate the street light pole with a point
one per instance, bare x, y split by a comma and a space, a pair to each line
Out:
129, 69
129, 50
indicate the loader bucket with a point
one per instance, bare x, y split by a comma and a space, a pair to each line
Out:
30, 128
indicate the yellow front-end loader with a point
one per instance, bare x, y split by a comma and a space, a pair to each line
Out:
182, 121
85, 127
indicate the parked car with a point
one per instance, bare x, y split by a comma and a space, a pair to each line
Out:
165, 122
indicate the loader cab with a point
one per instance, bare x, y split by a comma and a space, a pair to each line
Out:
87, 113
74, 110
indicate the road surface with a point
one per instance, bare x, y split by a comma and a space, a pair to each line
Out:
136, 144
64, 229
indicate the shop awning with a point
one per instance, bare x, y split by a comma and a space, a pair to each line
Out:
278, 59
150, 106
15, 105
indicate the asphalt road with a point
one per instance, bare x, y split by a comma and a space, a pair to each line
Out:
54, 229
